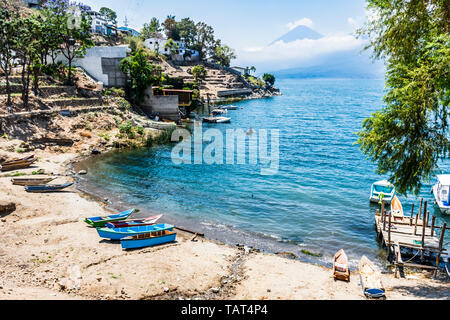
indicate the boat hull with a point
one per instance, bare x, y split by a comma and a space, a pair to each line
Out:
120, 233
144, 243
47, 188
100, 222
31, 182
444, 209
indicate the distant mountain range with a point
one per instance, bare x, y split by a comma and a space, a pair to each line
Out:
343, 64
299, 33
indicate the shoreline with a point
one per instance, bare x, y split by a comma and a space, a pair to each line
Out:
48, 244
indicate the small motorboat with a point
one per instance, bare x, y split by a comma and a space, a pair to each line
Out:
382, 190
229, 107
135, 222
148, 239
47, 188
99, 222
31, 181
441, 192
218, 111
340, 266
397, 209
217, 120
120, 233
371, 283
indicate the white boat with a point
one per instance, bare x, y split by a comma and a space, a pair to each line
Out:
441, 192
229, 107
382, 187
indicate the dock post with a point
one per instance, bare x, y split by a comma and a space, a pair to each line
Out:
423, 229
389, 234
441, 244
428, 218
420, 209
433, 221
415, 226
382, 209
412, 215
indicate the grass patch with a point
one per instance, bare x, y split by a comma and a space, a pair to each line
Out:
309, 253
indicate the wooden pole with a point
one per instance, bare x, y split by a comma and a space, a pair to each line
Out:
382, 208
420, 209
412, 215
423, 224
384, 220
389, 232
415, 226
441, 243
428, 218
433, 221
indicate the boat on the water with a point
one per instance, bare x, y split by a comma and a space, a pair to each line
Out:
15, 165
397, 209
340, 266
47, 188
382, 189
120, 233
219, 111
99, 222
148, 239
371, 283
441, 192
31, 181
229, 107
134, 222
217, 120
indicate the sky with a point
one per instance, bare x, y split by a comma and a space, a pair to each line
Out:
249, 26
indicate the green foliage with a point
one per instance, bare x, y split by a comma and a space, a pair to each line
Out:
20, 150
170, 27
142, 74
110, 15
150, 29
135, 43
223, 55
114, 92
199, 72
269, 79
175, 82
172, 46
163, 138
409, 136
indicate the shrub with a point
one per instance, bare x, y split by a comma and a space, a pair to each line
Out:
123, 104
20, 150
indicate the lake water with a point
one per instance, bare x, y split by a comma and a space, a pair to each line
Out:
318, 200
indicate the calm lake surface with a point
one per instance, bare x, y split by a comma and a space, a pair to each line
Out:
318, 201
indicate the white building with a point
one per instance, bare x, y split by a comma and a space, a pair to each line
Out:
99, 23
182, 53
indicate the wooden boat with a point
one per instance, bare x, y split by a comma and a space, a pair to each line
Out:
120, 233
441, 192
382, 189
371, 279
340, 266
47, 188
13, 161
397, 209
229, 107
17, 165
31, 181
99, 222
217, 120
148, 239
134, 222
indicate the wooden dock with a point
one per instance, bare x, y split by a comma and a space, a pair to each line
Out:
416, 232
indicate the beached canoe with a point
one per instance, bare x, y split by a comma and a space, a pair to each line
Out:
47, 188
371, 279
340, 266
120, 233
134, 222
99, 222
31, 181
397, 209
14, 161
148, 239
23, 164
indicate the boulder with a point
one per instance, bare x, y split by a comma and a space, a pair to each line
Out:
7, 208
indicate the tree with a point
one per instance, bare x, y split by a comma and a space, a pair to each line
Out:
199, 72
204, 42
110, 15
170, 25
223, 55
409, 136
269, 79
142, 74
187, 31
150, 30
7, 42
172, 46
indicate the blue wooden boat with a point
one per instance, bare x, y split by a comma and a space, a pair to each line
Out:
120, 233
47, 188
382, 190
148, 240
99, 222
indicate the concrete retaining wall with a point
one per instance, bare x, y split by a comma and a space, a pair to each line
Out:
166, 106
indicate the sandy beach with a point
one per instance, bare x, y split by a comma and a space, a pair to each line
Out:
48, 252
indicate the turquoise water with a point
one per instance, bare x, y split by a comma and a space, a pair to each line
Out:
318, 201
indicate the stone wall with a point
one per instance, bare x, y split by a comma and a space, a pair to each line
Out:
166, 106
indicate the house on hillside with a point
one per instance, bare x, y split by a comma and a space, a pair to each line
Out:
32, 3
243, 71
99, 23
128, 31
182, 53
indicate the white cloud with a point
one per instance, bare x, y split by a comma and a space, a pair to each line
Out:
299, 52
302, 22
